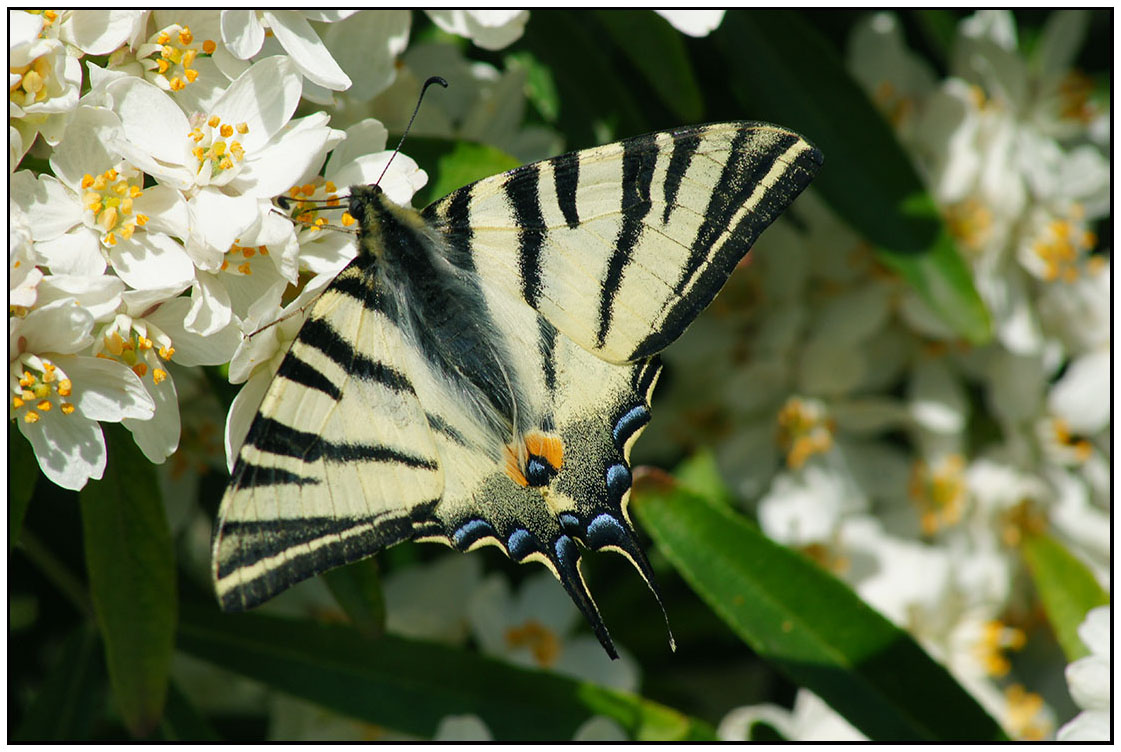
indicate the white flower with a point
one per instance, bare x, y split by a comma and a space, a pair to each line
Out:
58, 397
811, 719
535, 628
366, 47
244, 33
430, 601
490, 29
100, 32
97, 210
695, 23
462, 728
1089, 680
43, 79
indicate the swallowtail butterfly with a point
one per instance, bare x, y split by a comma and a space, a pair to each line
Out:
479, 373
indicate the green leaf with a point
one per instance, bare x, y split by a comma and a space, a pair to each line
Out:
23, 471
595, 103
182, 721
808, 624
130, 562
656, 49
357, 590
942, 278
939, 28
1066, 586
409, 685
456, 164
71, 696
541, 87
792, 75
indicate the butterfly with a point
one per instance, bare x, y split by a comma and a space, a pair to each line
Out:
478, 374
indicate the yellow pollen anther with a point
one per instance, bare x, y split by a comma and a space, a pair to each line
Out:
65, 387
192, 75
165, 352
243, 128
17, 402
209, 46
44, 405
31, 417
158, 375
66, 408
163, 38
87, 180
226, 130
140, 369
348, 220
245, 269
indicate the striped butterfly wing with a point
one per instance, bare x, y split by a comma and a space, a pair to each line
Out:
339, 460
622, 246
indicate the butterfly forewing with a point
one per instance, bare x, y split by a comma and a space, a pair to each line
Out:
621, 246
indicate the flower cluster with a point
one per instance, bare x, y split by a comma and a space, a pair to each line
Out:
147, 148
864, 432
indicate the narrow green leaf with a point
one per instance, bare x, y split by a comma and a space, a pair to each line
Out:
182, 721
657, 50
72, 693
1067, 588
129, 559
781, 69
23, 471
409, 686
808, 624
357, 590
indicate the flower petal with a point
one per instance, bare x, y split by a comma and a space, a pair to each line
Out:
192, 349
52, 209
242, 33
307, 51
264, 98
158, 437
70, 448
107, 390
150, 261
78, 252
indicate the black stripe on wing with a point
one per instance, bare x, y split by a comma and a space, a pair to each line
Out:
309, 545
639, 156
274, 437
318, 333
705, 273
523, 191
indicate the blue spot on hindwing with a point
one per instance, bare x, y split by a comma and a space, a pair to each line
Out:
566, 552
634, 419
472, 531
520, 544
569, 522
605, 530
618, 482
538, 472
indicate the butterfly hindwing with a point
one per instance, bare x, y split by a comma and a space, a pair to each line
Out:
478, 375
621, 246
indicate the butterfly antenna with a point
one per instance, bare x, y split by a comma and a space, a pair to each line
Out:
431, 80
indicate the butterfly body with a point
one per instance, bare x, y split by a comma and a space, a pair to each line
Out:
479, 373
